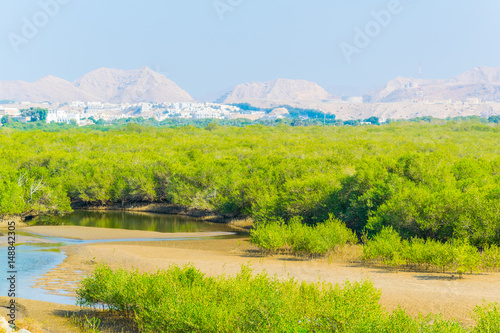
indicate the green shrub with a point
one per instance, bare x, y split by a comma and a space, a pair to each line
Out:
301, 238
487, 318
182, 299
270, 237
386, 247
465, 257
457, 256
491, 257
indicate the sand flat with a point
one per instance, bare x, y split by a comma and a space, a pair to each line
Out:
415, 291
92, 233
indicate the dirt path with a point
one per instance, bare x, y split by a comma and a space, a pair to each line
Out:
416, 292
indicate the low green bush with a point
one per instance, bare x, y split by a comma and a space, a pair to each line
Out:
300, 238
270, 237
491, 257
487, 318
455, 255
185, 300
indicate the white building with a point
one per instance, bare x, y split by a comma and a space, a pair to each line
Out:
207, 114
12, 112
78, 104
146, 107
61, 116
473, 100
22, 119
98, 107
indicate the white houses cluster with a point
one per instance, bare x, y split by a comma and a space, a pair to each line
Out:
80, 111
62, 116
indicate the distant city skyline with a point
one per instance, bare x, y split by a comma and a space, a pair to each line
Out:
212, 45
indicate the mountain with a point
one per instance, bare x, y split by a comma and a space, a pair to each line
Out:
102, 85
49, 88
480, 82
277, 90
135, 86
145, 85
479, 75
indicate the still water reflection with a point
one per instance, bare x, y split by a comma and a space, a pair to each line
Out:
42, 253
133, 221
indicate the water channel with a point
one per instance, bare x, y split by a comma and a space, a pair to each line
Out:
40, 254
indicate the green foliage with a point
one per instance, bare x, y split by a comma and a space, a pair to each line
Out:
36, 114
424, 180
491, 257
494, 119
6, 120
11, 193
372, 120
301, 238
457, 256
185, 300
487, 317
271, 237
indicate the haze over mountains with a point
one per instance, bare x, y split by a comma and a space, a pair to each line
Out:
120, 86
145, 85
101, 85
480, 82
279, 90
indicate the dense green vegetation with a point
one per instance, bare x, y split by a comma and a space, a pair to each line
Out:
455, 255
185, 300
101, 125
296, 237
36, 114
424, 180
386, 247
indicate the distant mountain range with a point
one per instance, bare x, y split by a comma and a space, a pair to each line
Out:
278, 90
481, 82
102, 85
145, 85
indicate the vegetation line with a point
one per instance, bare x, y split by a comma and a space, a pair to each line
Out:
185, 300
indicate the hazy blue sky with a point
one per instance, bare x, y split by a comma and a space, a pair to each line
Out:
205, 50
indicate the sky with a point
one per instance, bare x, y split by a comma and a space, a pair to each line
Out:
212, 45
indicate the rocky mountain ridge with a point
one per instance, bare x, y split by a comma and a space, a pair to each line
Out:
101, 85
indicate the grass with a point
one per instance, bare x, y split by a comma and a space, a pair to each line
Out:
182, 299
87, 324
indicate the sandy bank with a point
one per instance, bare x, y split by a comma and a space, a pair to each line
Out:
53, 317
6, 220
